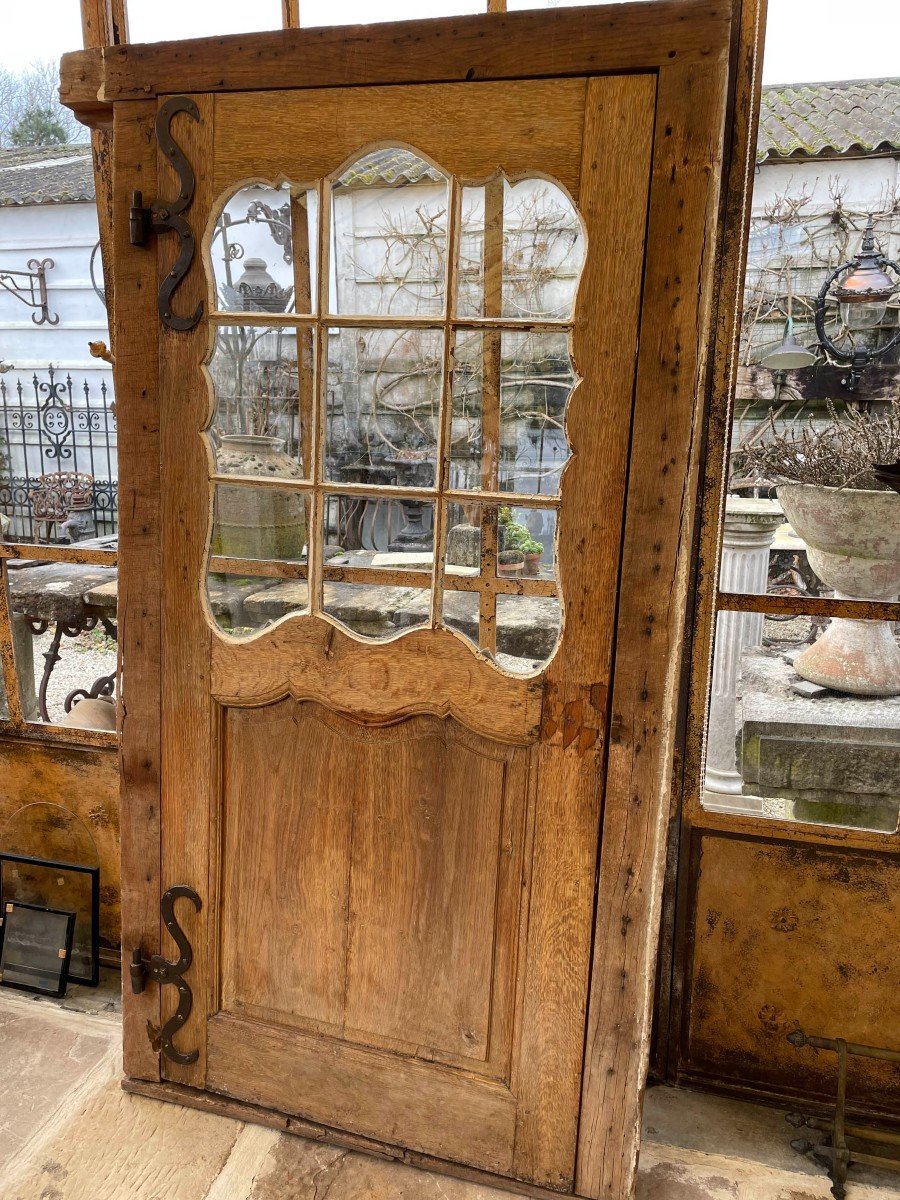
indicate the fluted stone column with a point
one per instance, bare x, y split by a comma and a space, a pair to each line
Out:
750, 527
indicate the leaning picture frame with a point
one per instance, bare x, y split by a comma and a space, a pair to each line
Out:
36, 947
59, 885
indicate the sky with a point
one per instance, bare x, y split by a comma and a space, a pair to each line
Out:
807, 40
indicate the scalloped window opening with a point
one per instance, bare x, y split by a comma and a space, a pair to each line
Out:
389, 385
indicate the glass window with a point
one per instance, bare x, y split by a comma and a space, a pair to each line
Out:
385, 427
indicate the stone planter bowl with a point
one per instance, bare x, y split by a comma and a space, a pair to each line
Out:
853, 545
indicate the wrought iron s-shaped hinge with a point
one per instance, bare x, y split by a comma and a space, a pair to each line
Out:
161, 971
165, 216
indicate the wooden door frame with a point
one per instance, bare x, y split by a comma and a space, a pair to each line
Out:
697, 50
691, 823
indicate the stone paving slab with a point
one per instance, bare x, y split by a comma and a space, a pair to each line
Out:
71, 1133
45, 1054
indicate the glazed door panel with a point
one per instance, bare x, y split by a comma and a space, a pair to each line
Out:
396, 748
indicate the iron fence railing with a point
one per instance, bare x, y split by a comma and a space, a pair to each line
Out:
51, 428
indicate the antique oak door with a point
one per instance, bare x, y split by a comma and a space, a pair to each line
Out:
429, 328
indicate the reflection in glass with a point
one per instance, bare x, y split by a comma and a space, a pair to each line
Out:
527, 627
536, 380
383, 406
374, 611
259, 522
780, 747
263, 386
242, 604
502, 541
255, 524
66, 611
379, 532
60, 885
258, 236
389, 236
543, 252
37, 943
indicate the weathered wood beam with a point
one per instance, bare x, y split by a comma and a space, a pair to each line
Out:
533, 44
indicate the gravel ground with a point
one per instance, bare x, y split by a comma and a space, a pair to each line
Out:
83, 660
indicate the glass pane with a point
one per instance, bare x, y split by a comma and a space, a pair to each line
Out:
35, 949
383, 406
543, 252
263, 384
374, 611
166, 20
264, 526
499, 581
260, 238
259, 523
389, 236
351, 12
244, 603
520, 542
783, 743
56, 887
376, 532
58, 474
536, 380
64, 640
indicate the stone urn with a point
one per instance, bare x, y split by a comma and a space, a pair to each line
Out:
258, 522
853, 544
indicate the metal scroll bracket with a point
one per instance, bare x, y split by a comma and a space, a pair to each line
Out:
161, 971
165, 216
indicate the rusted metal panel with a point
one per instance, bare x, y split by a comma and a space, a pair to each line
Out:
786, 936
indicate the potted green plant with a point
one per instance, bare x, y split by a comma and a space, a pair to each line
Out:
510, 563
829, 487
532, 549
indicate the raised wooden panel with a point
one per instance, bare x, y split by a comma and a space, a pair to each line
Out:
789, 936
372, 880
434, 1109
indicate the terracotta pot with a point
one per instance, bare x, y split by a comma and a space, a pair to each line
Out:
256, 522
532, 564
853, 544
510, 570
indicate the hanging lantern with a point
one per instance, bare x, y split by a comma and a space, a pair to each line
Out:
258, 290
790, 355
861, 288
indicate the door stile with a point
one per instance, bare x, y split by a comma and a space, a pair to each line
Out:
189, 771
618, 130
659, 527
140, 582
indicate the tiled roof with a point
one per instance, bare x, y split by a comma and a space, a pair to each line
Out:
46, 175
388, 168
822, 120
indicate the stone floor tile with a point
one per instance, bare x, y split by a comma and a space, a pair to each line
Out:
44, 1055
114, 1146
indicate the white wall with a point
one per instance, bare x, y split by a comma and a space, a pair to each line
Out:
66, 233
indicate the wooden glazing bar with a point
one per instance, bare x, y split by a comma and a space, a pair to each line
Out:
383, 576
31, 552
809, 606
315, 537
411, 321
536, 45
444, 428
220, 564
492, 274
303, 302
8, 657
290, 14
389, 491
59, 734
